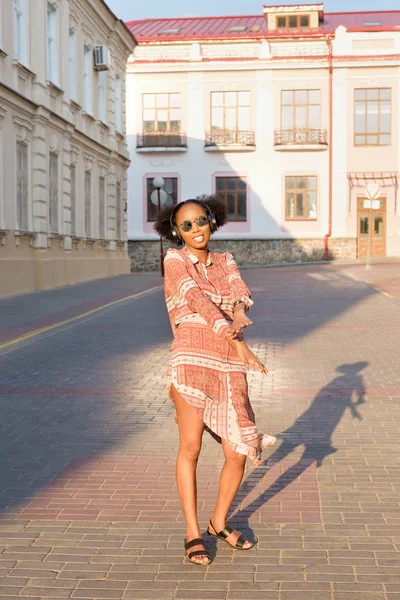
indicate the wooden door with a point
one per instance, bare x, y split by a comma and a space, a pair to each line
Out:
371, 223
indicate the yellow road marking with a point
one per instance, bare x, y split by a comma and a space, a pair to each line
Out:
35, 332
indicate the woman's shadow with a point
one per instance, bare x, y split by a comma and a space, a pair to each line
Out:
313, 430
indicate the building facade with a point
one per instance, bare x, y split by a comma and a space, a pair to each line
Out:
287, 116
63, 151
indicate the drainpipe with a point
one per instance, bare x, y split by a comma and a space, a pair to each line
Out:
330, 149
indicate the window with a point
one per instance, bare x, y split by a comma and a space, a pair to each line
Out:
161, 113
118, 103
72, 66
300, 113
53, 192
118, 211
102, 207
20, 30
22, 186
237, 28
102, 96
170, 187
88, 80
230, 117
233, 191
88, 203
372, 118
301, 198
170, 31
293, 21
73, 198
52, 44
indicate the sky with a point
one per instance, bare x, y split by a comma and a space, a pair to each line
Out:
130, 10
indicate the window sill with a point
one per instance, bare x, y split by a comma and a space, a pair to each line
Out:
55, 87
3, 54
300, 147
89, 116
103, 124
230, 148
24, 233
143, 150
24, 68
299, 219
372, 145
75, 105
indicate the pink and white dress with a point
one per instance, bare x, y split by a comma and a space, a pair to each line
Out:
204, 368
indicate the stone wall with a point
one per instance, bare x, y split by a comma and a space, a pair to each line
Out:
145, 255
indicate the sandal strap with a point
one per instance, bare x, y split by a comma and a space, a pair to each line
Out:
226, 532
199, 553
241, 541
195, 542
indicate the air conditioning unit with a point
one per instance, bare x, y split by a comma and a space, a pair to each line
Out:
101, 58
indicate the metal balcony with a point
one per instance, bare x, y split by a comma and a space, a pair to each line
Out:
301, 137
162, 139
229, 137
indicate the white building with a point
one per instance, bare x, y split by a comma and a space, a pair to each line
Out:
63, 154
286, 115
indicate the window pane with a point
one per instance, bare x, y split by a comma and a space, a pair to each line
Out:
230, 98
314, 116
312, 205
292, 21
372, 117
230, 201
372, 140
304, 21
287, 117
372, 94
385, 139
364, 225
217, 99
360, 140
242, 185
162, 100
243, 118
230, 118
281, 21
385, 117
241, 213
360, 94
300, 204
290, 206
301, 182
312, 183
162, 120
175, 100
149, 100
359, 119
301, 96
378, 227
217, 118
290, 184
314, 97
244, 98
287, 97
219, 183
386, 94
175, 114
231, 183
301, 117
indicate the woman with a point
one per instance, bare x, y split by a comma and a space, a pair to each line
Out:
207, 303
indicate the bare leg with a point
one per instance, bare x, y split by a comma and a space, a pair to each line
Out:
191, 430
229, 483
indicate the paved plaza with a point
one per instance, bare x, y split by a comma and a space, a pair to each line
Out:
88, 503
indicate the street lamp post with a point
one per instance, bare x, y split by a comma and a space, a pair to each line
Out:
160, 200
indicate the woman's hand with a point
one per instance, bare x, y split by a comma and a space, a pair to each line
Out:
240, 321
247, 356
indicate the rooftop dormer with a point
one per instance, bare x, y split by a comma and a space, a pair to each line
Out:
294, 17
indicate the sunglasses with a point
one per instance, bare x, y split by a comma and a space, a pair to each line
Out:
201, 221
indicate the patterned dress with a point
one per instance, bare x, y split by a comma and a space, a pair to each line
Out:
204, 368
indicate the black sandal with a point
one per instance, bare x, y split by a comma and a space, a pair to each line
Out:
197, 542
226, 532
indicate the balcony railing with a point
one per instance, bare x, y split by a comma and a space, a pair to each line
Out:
301, 137
230, 137
162, 139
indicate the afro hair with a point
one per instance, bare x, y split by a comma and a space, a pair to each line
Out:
167, 215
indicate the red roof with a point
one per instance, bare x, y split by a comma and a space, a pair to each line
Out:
256, 25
